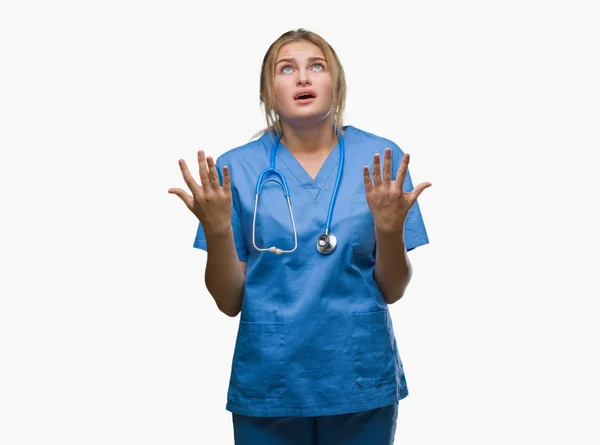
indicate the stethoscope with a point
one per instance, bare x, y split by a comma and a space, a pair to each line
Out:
327, 242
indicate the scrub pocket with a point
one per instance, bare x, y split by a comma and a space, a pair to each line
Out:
363, 226
373, 350
259, 359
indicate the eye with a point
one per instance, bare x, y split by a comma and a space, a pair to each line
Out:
287, 69
318, 67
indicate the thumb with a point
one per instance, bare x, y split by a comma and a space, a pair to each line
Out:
419, 189
187, 199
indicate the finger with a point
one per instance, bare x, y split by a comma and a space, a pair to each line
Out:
387, 165
187, 177
376, 170
226, 180
401, 175
204, 179
419, 189
212, 172
187, 199
367, 179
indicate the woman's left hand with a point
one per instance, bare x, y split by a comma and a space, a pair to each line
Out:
388, 201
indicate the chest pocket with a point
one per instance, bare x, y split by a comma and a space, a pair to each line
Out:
363, 226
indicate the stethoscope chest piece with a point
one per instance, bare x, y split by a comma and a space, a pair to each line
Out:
326, 244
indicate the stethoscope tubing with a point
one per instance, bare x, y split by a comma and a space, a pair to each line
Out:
286, 191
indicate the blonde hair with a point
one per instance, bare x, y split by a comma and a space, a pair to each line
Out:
267, 74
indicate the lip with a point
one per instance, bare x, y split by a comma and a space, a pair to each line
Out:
299, 93
304, 101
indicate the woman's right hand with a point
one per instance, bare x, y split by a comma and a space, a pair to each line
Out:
210, 202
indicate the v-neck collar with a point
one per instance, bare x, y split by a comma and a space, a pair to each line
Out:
312, 186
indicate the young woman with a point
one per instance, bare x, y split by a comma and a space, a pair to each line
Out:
309, 240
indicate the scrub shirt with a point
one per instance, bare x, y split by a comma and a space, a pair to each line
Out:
315, 336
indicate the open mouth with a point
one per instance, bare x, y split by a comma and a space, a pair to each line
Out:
305, 95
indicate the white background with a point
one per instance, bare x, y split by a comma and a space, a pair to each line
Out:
107, 334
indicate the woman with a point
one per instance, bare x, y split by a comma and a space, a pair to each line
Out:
315, 360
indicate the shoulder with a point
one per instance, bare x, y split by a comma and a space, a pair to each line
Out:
246, 152
367, 142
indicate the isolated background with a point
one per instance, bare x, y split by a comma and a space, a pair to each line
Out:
107, 334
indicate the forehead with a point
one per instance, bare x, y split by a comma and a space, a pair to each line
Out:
302, 50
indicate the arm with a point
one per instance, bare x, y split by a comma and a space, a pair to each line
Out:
389, 206
211, 203
393, 269
225, 273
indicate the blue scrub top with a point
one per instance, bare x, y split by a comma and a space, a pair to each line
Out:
315, 336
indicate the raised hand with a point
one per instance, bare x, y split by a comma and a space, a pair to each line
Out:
388, 202
210, 202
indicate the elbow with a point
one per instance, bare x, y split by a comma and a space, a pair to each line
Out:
393, 282
392, 298
230, 311
230, 305
229, 308
392, 295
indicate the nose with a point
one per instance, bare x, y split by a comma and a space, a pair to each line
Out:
302, 78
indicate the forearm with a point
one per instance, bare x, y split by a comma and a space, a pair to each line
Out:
224, 276
393, 270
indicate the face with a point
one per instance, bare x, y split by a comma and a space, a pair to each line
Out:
302, 83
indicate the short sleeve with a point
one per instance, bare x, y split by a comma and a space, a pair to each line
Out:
415, 234
236, 224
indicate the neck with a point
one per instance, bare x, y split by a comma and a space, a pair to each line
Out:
313, 139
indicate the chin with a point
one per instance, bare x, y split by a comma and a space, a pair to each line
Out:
308, 116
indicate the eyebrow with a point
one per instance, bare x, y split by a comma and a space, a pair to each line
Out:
291, 59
